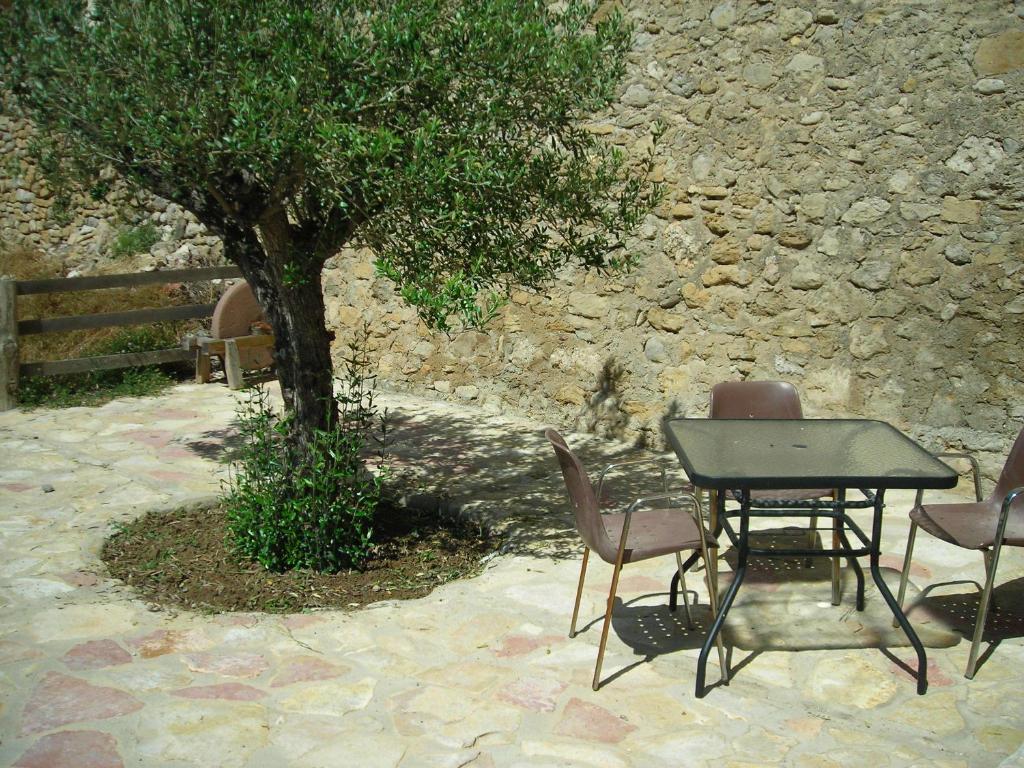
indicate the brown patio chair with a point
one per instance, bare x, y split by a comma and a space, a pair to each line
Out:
986, 525
771, 400
637, 534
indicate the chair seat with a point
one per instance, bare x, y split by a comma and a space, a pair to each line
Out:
971, 526
655, 532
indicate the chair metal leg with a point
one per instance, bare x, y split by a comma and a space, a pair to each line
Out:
991, 564
986, 598
987, 555
682, 584
579, 592
711, 576
906, 569
607, 625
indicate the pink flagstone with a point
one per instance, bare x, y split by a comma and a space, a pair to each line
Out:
17, 487
175, 452
61, 699
96, 654
228, 665
895, 562
936, 677
226, 691
305, 669
301, 620
535, 694
164, 641
157, 438
11, 652
592, 723
175, 414
170, 476
520, 645
80, 578
72, 749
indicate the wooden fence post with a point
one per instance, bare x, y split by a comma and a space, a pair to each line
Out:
8, 343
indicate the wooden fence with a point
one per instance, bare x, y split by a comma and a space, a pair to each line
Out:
11, 328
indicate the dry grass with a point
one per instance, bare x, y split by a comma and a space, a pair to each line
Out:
24, 263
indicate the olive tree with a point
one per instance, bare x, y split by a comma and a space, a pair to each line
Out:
447, 136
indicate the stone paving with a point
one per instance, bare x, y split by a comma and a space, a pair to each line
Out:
479, 673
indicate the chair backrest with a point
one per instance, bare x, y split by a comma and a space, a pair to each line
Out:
585, 505
1012, 475
755, 400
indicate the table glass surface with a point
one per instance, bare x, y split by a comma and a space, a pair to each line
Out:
803, 453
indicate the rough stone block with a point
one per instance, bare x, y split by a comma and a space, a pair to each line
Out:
1000, 53
727, 274
867, 210
587, 305
571, 394
961, 211
726, 250
665, 321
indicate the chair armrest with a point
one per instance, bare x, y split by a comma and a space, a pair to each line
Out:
975, 471
697, 514
628, 462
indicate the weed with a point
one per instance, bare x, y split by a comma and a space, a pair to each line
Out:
132, 240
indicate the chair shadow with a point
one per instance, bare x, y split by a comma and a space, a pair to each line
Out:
959, 610
652, 630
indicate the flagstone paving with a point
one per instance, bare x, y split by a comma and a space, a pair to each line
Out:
479, 673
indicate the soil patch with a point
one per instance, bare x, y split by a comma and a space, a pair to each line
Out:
182, 559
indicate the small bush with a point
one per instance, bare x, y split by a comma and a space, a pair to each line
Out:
314, 510
132, 240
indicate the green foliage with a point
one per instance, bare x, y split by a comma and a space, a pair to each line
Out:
98, 387
446, 135
132, 240
310, 508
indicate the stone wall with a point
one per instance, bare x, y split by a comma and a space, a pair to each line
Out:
79, 234
844, 210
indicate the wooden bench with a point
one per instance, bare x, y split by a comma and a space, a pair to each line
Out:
228, 350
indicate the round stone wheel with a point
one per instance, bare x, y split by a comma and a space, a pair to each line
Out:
234, 316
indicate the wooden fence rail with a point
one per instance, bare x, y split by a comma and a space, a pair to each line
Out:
11, 328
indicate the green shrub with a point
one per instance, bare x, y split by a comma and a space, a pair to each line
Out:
310, 510
132, 240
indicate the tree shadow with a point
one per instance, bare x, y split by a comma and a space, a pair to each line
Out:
221, 445
602, 413
496, 472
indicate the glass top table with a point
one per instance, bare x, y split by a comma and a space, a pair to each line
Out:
744, 455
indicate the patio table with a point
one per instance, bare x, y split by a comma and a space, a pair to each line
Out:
744, 455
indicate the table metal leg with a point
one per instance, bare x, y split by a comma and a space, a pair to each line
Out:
716, 531
857, 570
730, 596
876, 574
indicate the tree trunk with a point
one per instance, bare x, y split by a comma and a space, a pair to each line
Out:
302, 354
294, 305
